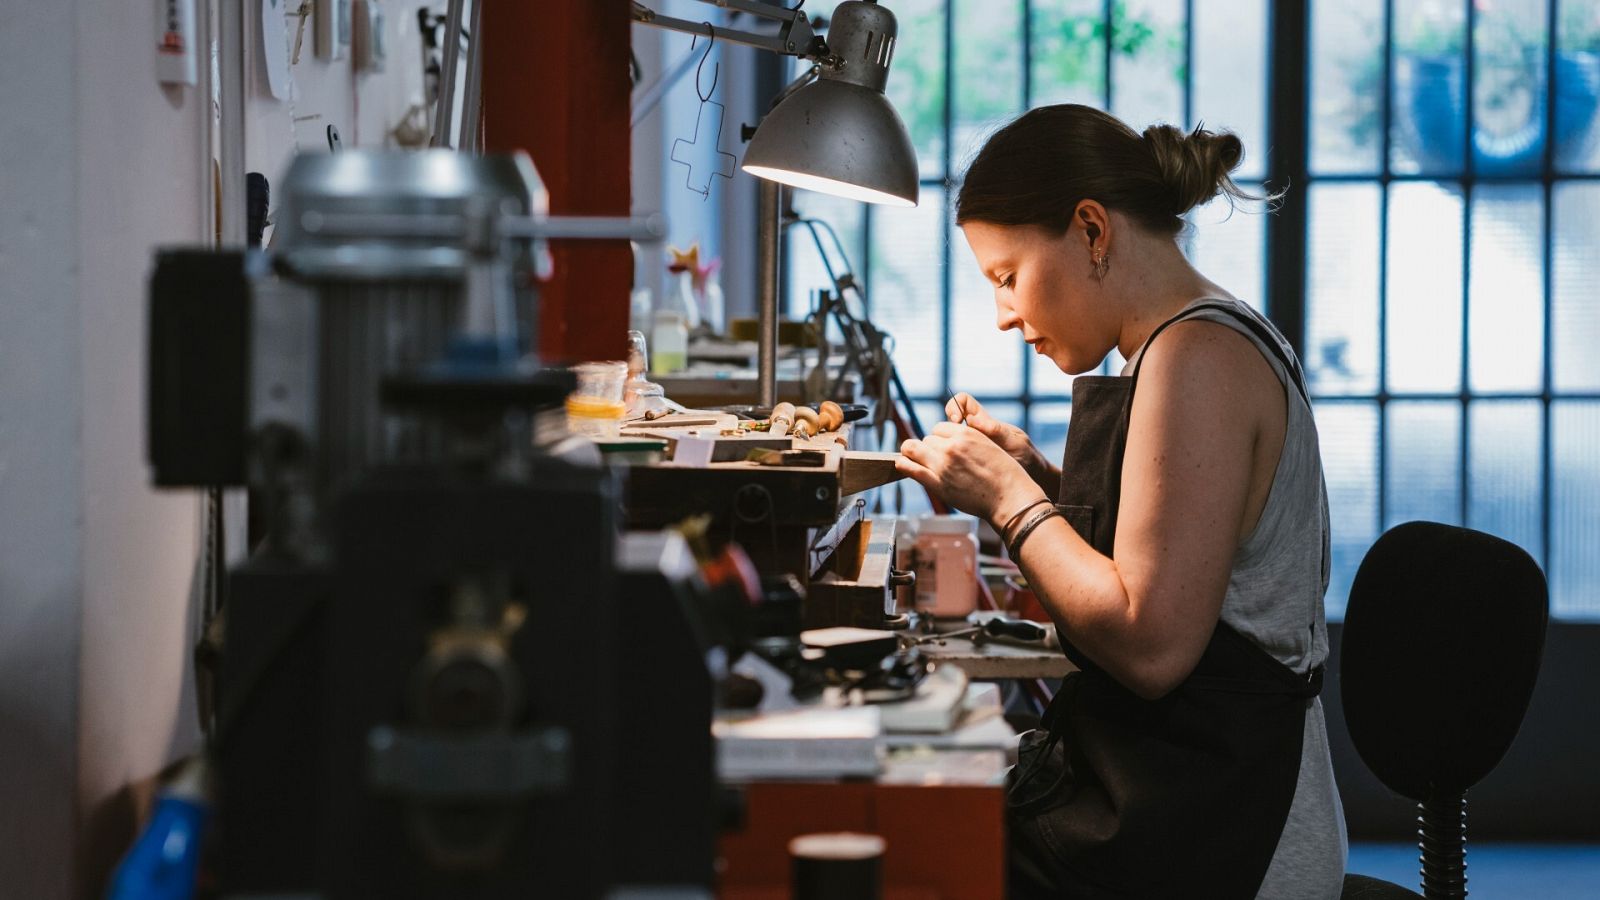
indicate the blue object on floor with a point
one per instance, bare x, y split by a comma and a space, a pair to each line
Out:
163, 861
1495, 871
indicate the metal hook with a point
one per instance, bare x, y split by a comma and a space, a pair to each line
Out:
716, 68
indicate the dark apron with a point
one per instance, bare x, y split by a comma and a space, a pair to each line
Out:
1185, 796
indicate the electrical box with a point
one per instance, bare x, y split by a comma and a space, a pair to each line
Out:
333, 28
366, 38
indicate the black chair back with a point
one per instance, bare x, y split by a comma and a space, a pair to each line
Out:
1442, 642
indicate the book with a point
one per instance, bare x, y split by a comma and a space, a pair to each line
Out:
808, 743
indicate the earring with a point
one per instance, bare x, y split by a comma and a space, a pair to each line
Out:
1102, 265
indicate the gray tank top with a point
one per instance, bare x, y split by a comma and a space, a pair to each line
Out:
1274, 598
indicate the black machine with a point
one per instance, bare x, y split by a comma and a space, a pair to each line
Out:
443, 671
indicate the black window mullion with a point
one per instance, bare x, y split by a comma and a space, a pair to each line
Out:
1188, 63
864, 253
1547, 171
1027, 54
1288, 167
1464, 455
944, 213
1108, 15
1478, 178
1384, 150
1027, 104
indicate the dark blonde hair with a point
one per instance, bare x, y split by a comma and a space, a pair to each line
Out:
1037, 169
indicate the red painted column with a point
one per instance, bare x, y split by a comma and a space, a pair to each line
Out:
555, 84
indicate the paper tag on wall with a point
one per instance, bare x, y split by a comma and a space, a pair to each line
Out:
275, 47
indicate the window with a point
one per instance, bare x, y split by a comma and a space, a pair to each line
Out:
1450, 292
1451, 301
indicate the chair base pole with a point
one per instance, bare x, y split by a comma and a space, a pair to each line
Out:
1442, 837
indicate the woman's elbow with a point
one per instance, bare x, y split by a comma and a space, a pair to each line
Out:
1157, 677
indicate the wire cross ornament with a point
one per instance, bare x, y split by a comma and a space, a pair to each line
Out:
704, 159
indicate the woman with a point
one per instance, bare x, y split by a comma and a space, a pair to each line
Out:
1181, 549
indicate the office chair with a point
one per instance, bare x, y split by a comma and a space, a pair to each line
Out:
1442, 641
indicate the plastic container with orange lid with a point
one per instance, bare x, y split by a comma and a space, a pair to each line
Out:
595, 408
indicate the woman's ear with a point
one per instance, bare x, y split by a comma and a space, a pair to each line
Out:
1096, 224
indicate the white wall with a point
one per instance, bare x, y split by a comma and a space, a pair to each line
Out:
41, 480
135, 167
99, 165
364, 107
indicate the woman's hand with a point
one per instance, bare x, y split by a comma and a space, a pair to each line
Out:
969, 470
963, 408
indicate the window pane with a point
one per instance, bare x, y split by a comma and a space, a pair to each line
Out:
1507, 300
1508, 92
988, 73
916, 79
983, 359
1503, 496
1069, 52
1147, 74
1575, 331
1229, 245
1577, 85
1048, 429
1424, 291
804, 268
1342, 290
1230, 75
1428, 133
1575, 511
1349, 436
906, 290
1346, 85
1423, 455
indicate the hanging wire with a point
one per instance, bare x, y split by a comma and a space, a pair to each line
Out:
716, 68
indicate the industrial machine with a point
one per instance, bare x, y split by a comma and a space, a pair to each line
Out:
444, 672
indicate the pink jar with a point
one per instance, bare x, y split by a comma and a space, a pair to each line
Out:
945, 558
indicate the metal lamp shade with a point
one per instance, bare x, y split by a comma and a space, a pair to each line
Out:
837, 138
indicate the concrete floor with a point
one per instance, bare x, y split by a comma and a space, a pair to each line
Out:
1495, 871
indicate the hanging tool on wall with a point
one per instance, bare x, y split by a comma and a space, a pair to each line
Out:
702, 156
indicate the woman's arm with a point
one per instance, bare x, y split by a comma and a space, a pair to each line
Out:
1146, 616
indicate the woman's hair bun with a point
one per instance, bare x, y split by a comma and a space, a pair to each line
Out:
1037, 169
1195, 166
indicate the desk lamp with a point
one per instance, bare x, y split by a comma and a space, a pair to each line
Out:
831, 131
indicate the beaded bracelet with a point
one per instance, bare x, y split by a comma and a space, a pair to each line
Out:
1015, 545
1006, 528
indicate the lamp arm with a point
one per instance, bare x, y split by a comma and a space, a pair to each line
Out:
794, 38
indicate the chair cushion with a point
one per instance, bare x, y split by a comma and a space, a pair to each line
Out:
1442, 641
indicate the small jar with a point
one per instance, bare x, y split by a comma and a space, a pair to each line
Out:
595, 409
946, 563
640, 395
671, 341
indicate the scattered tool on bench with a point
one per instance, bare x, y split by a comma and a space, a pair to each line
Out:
999, 626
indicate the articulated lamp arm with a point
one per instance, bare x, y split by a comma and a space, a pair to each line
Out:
794, 37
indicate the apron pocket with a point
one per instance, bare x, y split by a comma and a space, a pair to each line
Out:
1081, 518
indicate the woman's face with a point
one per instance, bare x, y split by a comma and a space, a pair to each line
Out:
1043, 287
